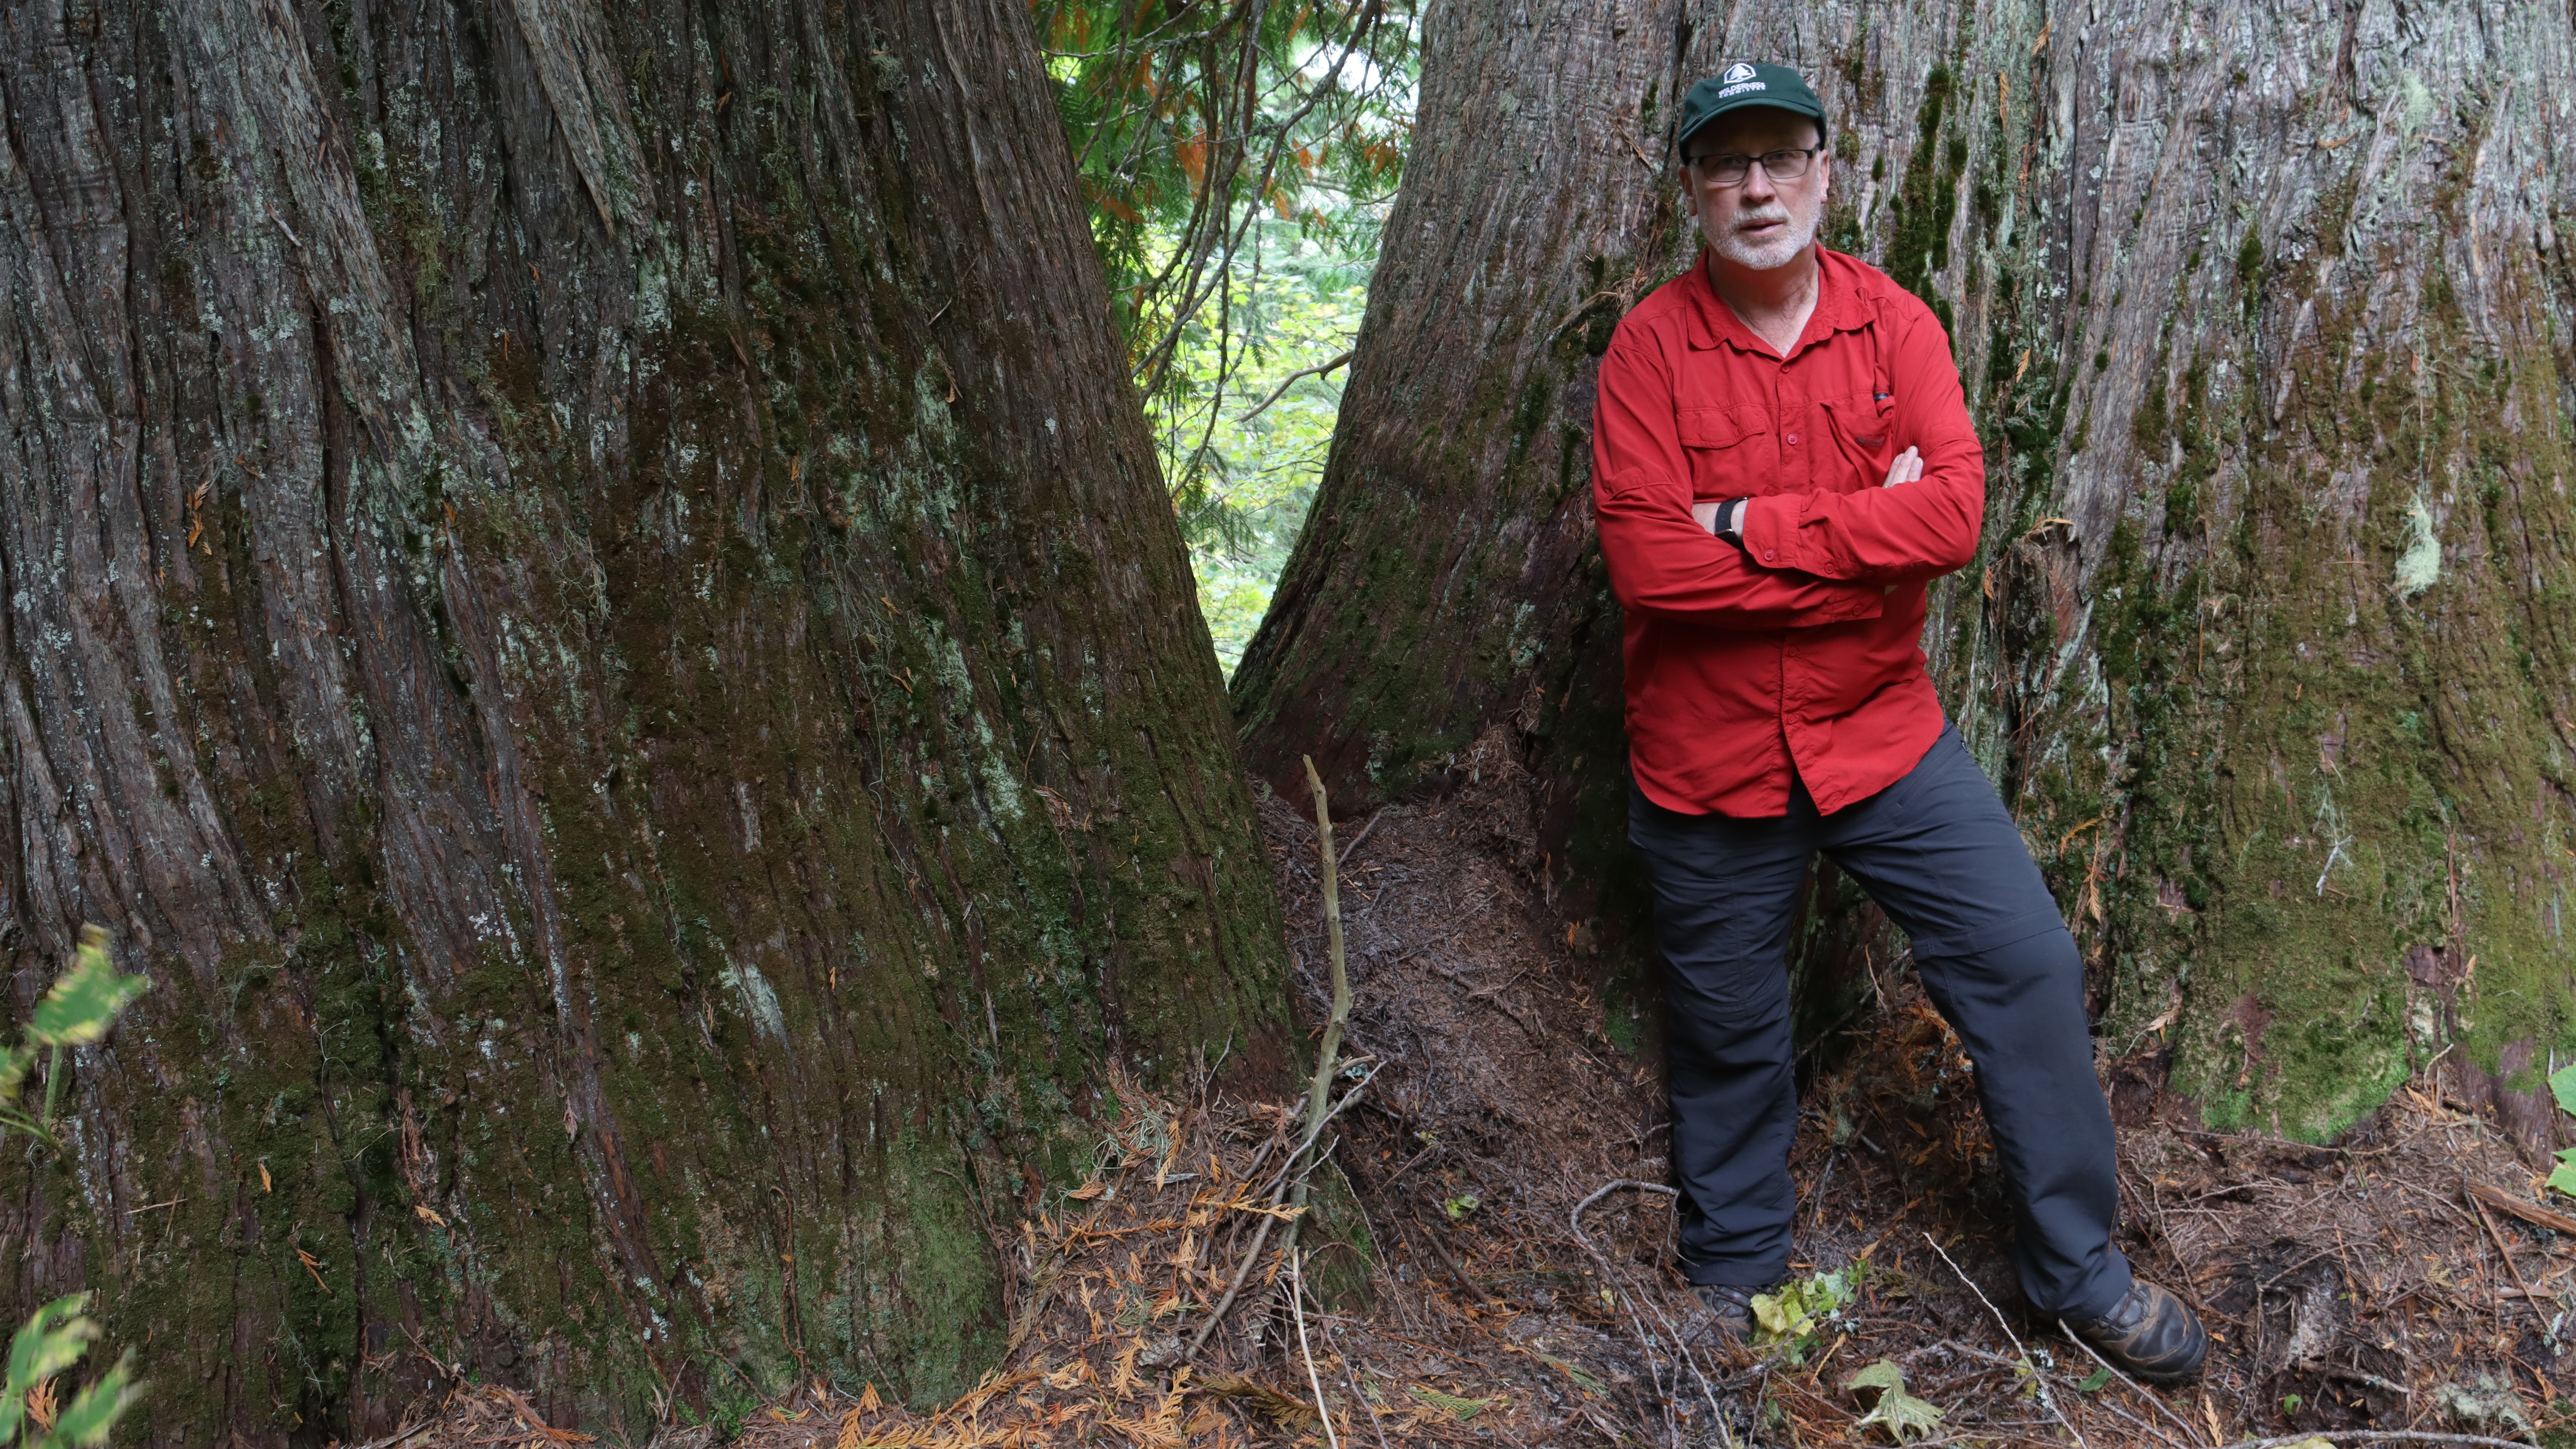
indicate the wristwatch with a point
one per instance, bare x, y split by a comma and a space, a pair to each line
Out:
1730, 520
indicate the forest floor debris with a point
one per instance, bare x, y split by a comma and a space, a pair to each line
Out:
1506, 1161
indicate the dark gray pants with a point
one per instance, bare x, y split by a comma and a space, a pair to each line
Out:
1940, 856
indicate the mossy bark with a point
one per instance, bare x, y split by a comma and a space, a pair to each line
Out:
587, 597
2272, 343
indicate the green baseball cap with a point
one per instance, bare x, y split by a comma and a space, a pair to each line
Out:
1745, 84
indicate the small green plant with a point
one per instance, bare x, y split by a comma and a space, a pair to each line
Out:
1458, 1207
2562, 1085
82, 1005
1797, 1313
1896, 1411
2290, 1403
51, 1342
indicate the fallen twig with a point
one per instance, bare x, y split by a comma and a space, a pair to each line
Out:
1242, 1272
2159, 1404
2036, 1376
1345, 857
2530, 1212
1376, 1426
2379, 1436
1574, 1220
2529, 1299
1297, 1310
1306, 1142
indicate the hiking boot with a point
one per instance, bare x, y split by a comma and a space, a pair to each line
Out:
1729, 1315
2148, 1334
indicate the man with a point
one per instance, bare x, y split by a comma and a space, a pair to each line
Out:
1782, 459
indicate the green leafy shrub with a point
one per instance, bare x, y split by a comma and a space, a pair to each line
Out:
1898, 1412
52, 1342
1797, 1313
82, 1005
2563, 1087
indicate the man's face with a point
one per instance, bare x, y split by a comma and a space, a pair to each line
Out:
1761, 222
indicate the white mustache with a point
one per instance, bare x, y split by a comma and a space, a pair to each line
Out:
1761, 218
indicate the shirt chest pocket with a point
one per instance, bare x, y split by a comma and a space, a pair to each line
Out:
1730, 451
1863, 427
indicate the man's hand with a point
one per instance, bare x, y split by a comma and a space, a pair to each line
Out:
1908, 468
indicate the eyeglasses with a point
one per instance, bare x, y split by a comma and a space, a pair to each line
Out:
1728, 169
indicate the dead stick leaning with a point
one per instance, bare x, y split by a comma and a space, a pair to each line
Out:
1328, 1057
2382, 1436
2036, 1376
1252, 1255
1325, 1061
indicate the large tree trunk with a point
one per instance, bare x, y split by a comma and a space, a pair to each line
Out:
2271, 342
586, 594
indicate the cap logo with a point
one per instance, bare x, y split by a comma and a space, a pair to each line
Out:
1737, 73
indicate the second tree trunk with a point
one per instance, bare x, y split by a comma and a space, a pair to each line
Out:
2268, 342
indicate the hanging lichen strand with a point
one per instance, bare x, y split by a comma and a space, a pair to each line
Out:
587, 595
2268, 343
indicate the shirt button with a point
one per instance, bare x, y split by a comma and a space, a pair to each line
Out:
1766, 555
1793, 440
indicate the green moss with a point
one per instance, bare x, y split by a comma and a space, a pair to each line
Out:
2147, 428
1927, 197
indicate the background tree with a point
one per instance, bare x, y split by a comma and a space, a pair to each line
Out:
588, 597
1207, 135
1236, 160
2266, 325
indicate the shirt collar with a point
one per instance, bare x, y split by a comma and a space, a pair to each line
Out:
1838, 309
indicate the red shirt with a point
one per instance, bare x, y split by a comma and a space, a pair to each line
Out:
1797, 655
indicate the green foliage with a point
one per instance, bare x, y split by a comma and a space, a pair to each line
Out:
1188, 118
82, 1005
1236, 162
1457, 1408
2562, 1085
1798, 1312
1896, 1411
1193, 122
1242, 480
52, 1342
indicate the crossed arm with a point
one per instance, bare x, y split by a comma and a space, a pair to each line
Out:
1806, 558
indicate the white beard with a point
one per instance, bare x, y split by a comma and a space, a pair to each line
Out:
1778, 250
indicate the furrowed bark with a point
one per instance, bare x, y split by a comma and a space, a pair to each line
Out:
2267, 328
587, 596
